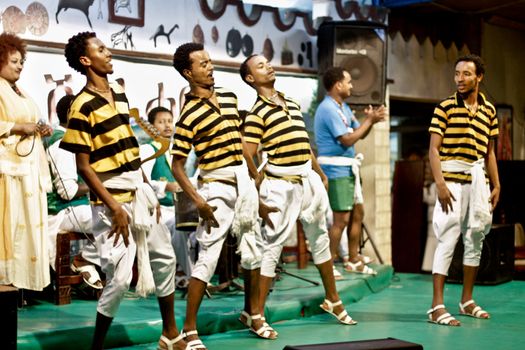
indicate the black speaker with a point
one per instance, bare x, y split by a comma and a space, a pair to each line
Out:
375, 344
497, 258
9, 307
359, 48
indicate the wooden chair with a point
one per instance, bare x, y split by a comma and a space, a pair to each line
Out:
300, 251
65, 278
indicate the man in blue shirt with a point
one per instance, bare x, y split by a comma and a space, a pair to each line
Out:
336, 132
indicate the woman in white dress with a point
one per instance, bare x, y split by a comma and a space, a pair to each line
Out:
24, 177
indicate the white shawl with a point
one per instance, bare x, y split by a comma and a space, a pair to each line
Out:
479, 204
245, 225
355, 163
142, 219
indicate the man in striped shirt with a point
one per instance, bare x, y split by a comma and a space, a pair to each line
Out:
463, 131
293, 183
226, 198
107, 157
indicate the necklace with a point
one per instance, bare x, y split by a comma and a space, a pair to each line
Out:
101, 91
472, 108
274, 96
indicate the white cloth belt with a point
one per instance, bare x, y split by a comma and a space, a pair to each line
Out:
479, 203
245, 225
142, 219
315, 198
355, 163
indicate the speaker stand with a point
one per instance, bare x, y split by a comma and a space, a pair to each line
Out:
369, 238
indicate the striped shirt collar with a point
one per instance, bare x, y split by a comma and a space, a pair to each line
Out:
482, 100
218, 92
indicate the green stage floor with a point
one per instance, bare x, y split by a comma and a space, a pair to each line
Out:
385, 306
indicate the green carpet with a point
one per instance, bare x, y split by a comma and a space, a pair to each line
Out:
385, 306
47, 326
399, 312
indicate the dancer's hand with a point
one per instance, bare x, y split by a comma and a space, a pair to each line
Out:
206, 213
494, 197
264, 213
120, 225
376, 114
44, 130
445, 197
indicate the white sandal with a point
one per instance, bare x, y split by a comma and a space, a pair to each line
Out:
343, 317
444, 319
170, 342
265, 331
192, 344
476, 312
94, 277
267, 325
355, 267
337, 275
365, 259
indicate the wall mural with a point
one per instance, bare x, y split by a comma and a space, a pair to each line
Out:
35, 19
230, 31
81, 5
123, 37
162, 32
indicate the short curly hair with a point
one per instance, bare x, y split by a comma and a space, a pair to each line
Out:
244, 70
76, 48
332, 76
181, 57
10, 43
478, 62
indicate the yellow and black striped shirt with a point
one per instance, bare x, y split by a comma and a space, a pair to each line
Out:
103, 131
466, 136
281, 131
214, 133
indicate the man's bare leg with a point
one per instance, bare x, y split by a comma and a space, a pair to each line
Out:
196, 289
264, 289
354, 232
327, 276
437, 297
341, 219
252, 300
101, 330
167, 312
469, 278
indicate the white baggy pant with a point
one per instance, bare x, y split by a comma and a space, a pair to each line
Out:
287, 197
179, 240
117, 261
223, 197
448, 228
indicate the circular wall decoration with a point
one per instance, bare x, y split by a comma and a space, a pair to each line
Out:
14, 20
348, 9
214, 34
268, 49
213, 9
308, 25
284, 19
233, 42
37, 19
249, 14
247, 45
198, 34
